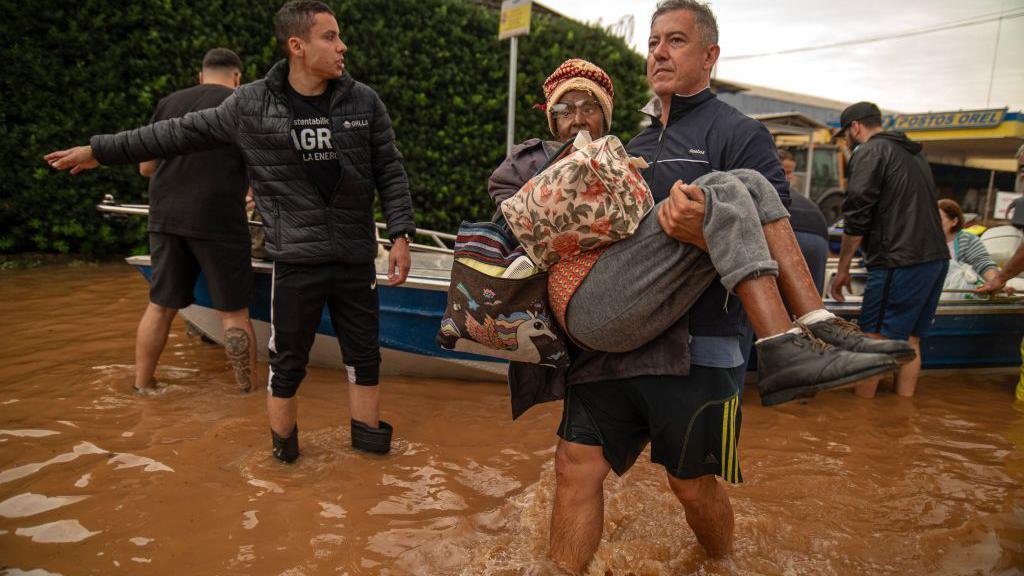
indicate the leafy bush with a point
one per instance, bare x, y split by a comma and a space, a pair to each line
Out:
87, 67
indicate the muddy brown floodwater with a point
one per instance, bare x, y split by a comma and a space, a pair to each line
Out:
95, 480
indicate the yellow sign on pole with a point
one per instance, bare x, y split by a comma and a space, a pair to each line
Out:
515, 18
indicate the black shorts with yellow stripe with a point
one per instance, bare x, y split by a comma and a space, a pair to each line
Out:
692, 422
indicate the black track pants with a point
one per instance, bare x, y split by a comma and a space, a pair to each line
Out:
297, 301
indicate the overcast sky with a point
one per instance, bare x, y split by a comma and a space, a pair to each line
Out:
944, 70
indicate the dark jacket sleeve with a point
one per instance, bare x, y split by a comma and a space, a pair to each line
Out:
757, 151
863, 190
389, 174
517, 168
194, 132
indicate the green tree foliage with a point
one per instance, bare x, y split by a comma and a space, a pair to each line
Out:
77, 68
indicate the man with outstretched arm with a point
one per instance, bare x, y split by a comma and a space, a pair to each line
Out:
317, 144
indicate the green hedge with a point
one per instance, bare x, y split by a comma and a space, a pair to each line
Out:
86, 67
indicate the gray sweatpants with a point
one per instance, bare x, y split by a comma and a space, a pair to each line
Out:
642, 285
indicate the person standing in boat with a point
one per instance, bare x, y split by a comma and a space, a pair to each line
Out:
890, 210
317, 145
197, 223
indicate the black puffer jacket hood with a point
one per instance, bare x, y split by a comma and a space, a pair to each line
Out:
301, 226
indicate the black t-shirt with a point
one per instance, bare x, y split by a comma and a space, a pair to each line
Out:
805, 216
311, 136
200, 195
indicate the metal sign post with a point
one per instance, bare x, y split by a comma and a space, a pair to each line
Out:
515, 22
512, 67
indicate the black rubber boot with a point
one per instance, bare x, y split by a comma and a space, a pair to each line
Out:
286, 449
847, 335
794, 366
375, 440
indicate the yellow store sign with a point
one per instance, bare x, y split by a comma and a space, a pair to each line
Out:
946, 120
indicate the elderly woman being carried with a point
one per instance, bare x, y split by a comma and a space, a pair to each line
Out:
617, 280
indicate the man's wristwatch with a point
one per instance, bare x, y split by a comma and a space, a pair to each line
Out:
405, 235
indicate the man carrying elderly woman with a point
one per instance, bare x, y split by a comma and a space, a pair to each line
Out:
602, 313
676, 388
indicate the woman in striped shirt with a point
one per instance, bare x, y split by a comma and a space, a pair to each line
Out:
964, 246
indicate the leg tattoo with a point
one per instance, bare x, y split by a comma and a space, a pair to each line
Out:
236, 344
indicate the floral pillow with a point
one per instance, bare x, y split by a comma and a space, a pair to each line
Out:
592, 198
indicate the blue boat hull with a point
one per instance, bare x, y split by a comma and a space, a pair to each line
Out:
968, 335
409, 318
965, 334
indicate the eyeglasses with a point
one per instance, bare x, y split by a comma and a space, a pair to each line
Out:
567, 111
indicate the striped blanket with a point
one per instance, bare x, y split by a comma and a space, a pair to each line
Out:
487, 242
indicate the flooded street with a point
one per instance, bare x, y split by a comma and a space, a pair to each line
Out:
96, 480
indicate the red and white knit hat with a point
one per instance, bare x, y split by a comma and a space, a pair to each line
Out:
578, 74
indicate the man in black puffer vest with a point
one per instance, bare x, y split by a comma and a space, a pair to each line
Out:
317, 144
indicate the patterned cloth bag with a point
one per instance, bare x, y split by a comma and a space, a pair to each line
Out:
593, 197
496, 306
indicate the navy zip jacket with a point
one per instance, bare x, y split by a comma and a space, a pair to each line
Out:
704, 134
